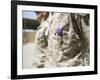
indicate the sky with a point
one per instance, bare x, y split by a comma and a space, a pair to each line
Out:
29, 14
